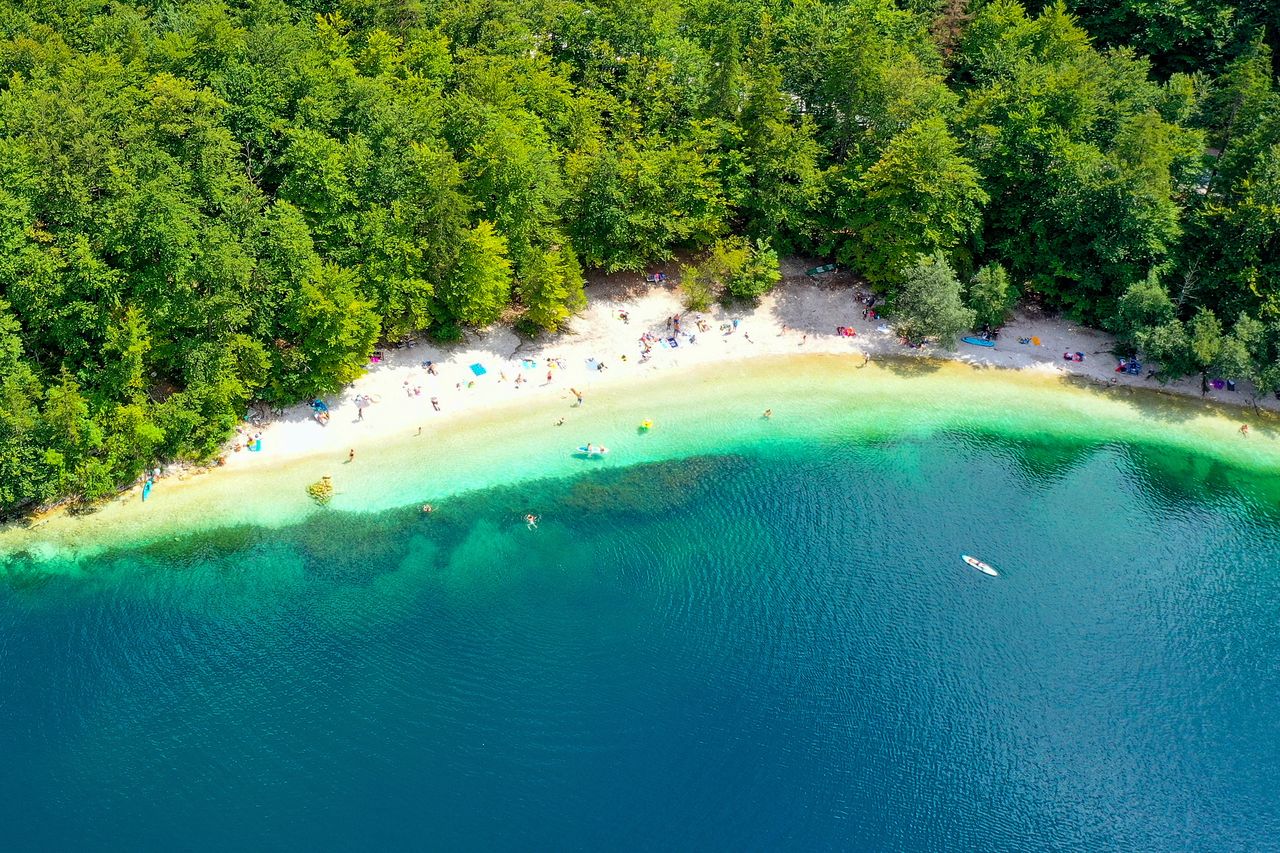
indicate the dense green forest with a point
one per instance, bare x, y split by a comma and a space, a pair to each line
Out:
206, 203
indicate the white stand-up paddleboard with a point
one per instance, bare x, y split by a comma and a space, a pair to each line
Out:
980, 566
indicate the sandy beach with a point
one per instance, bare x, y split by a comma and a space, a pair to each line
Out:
602, 346
498, 399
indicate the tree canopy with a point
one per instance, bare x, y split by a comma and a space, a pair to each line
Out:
204, 203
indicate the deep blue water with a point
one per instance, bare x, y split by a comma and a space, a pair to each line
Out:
743, 652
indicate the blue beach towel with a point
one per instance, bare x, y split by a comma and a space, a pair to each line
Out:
478, 369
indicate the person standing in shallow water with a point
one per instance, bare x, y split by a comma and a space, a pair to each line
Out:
351, 455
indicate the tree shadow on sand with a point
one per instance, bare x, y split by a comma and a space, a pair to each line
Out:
816, 309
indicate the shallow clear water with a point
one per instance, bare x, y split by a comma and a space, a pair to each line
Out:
770, 648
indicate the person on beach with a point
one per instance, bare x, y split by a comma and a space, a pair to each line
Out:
578, 395
548, 377
351, 455
435, 403
1244, 430
560, 422
419, 432
768, 413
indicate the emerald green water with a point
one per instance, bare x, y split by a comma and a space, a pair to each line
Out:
712, 410
767, 644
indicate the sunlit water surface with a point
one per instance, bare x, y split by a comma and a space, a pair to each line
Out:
767, 648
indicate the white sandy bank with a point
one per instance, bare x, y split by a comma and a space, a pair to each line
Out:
799, 317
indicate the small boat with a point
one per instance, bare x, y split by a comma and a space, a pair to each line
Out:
979, 342
980, 566
593, 449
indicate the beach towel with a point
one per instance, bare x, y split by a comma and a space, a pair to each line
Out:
528, 363
673, 342
478, 369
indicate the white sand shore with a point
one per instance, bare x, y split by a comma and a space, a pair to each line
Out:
799, 317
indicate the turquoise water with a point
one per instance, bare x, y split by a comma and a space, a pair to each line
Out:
764, 649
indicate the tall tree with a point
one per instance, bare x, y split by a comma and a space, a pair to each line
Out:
922, 196
928, 304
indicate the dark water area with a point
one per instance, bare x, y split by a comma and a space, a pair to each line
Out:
755, 651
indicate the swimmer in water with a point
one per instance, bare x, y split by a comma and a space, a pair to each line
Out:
531, 521
768, 413
427, 509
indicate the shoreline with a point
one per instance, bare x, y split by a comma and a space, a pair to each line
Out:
714, 370
798, 318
